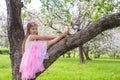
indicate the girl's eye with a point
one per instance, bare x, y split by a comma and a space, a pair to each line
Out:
34, 29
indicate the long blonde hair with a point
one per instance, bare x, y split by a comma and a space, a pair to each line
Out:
29, 25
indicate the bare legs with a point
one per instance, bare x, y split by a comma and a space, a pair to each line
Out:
60, 36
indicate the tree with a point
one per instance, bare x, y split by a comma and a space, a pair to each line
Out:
16, 34
85, 12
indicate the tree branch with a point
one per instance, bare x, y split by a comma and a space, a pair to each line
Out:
81, 37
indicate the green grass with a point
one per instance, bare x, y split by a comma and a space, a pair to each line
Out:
71, 69
4, 49
5, 67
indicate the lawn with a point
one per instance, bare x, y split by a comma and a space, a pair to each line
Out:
71, 69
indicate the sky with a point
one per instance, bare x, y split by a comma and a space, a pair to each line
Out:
2, 6
35, 4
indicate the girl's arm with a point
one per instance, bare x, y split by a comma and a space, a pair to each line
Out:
38, 37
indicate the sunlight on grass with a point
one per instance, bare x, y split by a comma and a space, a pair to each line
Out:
5, 68
71, 69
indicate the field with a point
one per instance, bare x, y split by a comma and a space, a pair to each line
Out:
71, 69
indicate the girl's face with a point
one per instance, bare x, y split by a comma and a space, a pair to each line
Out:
34, 30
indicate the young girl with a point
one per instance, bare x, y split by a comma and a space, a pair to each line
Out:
34, 50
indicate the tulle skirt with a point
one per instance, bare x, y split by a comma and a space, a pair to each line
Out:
32, 60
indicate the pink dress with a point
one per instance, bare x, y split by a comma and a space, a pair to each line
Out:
32, 59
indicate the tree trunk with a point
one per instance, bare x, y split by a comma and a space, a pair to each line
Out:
69, 54
85, 50
15, 35
81, 55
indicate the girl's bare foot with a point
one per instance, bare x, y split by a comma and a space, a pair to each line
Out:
64, 34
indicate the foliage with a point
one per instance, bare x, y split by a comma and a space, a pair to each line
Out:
4, 50
27, 1
99, 8
64, 10
107, 43
103, 7
72, 13
57, 9
4, 40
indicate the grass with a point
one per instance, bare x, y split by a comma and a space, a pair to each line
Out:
4, 49
5, 68
71, 69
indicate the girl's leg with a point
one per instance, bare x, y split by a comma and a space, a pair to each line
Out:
53, 41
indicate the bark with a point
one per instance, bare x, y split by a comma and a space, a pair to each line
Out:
85, 50
81, 55
15, 35
69, 54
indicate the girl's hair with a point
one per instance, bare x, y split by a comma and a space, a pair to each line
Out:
29, 25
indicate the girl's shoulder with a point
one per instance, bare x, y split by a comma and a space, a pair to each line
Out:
28, 38
31, 37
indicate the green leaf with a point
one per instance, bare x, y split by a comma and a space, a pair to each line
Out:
85, 12
87, 0
24, 15
42, 10
69, 21
27, 1
95, 16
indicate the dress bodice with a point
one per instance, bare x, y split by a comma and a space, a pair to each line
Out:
28, 43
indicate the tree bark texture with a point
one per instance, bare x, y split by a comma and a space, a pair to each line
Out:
81, 55
85, 50
15, 35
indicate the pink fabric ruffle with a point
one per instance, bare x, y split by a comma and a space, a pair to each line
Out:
32, 60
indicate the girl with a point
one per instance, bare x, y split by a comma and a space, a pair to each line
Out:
34, 50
